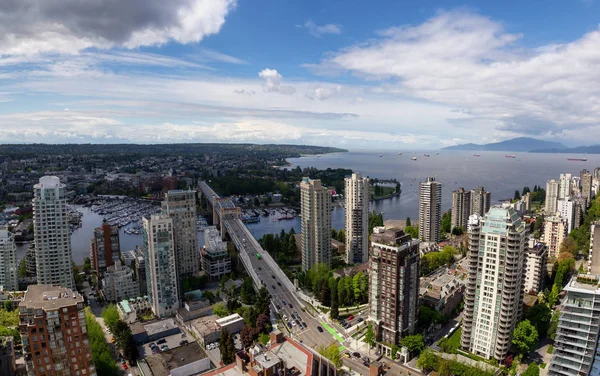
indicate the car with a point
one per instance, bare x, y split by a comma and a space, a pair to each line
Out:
304, 325
277, 306
184, 342
320, 329
273, 286
112, 340
293, 323
123, 361
152, 344
278, 283
289, 325
272, 276
356, 354
289, 305
366, 364
259, 268
91, 293
283, 302
124, 366
164, 348
351, 317
347, 354
360, 319
161, 341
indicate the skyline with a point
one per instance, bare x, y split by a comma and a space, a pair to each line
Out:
358, 76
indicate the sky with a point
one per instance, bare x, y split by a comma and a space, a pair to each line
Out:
401, 75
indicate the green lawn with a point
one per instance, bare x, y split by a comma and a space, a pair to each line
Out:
454, 339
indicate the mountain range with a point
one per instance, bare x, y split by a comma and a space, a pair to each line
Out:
520, 144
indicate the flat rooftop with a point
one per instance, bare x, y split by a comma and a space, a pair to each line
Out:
206, 325
442, 280
162, 363
160, 326
49, 297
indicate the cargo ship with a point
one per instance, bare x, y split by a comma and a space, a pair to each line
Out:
477, 155
510, 156
427, 155
577, 159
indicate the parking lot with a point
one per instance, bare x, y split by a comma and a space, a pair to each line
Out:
171, 341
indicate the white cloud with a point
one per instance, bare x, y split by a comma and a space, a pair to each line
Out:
319, 30
273, 80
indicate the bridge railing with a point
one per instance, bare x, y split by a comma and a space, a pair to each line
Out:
243, 255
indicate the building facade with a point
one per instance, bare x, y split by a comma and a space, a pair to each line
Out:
51, 233
565, 186
430, 210
316, 223
161, 269
551, 203
119, 283
461, 208
180, 206
555, 230
394, 270
54, 332
586, 185
480, 201
8, 261
104, 247
579, 208
536, 259
594, 254
494, 294
566, 212
357, 218
216, 261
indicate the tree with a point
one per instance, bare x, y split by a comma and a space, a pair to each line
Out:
101, 352
333, 354
553, 325
335, 302
415, 343
428, 316
262, 322
247, 291
342, 292
408, 224
532, 370
539, 316
427, 361
210, 296
375, 220
110, 315
370, 336
8, 306
325, 293
412, 231
247, 336
569, 245
130, 350
23, 269
525, 337
517, 195
446, 221
458, 231
220, 310
227, 347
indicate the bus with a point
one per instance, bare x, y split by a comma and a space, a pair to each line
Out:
258, 256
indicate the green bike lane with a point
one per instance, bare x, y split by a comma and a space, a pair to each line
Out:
335, 335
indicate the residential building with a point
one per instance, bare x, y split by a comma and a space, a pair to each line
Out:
180, 206
8, 261
565, 210
140, 270
104, 247
594, 254
461, 208
129, 310
51, 233
216, 261
316, 223
430, 210
161, 269
444, 293
597, 173
8, 364
357, 219
393, 285
494, 294
576, 350
551, 205
119, 283
535, 271
185, 360
555, 230
54, 332
579, 208
586, 185
565, 186
480, 201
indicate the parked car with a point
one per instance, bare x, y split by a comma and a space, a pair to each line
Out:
356, 354
124, 365
360, 319
278, 283
161, 341
347, 354
164, 348
320, 329
351, 317
184, 342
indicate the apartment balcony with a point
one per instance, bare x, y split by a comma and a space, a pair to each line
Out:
575, 369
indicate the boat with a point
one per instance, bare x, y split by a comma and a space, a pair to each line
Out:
477, 155
380, 155
510, 156
414, 158
399, 153
438, 153
577, 159
427, 155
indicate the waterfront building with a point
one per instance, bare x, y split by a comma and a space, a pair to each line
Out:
54, 332
104, 247
161, 269
216, 261
480, 201
180, 206
565, 210
315, 217
430, 210
551, 203
555, 230
535, 271
8, 261
494, 294
565, 186
119, 283
586, 185
394, 270
461, 208
357, 219
51, 233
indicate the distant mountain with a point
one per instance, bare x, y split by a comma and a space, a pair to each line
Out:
592, 149
516, 144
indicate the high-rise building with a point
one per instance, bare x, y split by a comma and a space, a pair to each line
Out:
393, 285
480, 201
140, 270
579, 209
161, 269
586, 185
216, 261
597, 173
119, 283
8, 261
552, 188
555, 230
180, 206
316, 223
104, 247
461, 208
430, 210
576, 351
51, 233
565, 210
565, 186
54, 332
594, 254
494, 294
357, 219
535, 266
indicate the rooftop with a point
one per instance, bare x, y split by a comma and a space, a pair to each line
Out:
49, 297
206, 325
163, 363
160, 326
442, 280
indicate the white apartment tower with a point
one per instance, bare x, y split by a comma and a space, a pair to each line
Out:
161, 268
555, 230
357, 219
180, 206
8, 261
552, 188
430, 210
494, 295
316, 223
51, 233
565, 187
566, 211
536, 258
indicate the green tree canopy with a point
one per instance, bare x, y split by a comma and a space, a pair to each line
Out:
525, 337
539, 316
220, 310
110, 314
415, 343
532, 370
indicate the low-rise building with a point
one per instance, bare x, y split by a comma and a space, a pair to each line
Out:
206, 329
161, 329
130, 310
536, 258
444, 293
232, 323
186, 360
119, 283
215, 259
